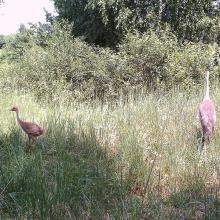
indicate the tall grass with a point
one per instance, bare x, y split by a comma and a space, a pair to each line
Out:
127, 160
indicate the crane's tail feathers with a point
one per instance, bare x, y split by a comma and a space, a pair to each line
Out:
44, 131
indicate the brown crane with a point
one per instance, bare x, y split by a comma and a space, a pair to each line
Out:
31, 129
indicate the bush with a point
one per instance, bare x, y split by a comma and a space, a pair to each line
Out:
187, 64
146, 56
156, 59
70, 66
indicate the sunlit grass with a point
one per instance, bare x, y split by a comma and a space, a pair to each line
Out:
134, 160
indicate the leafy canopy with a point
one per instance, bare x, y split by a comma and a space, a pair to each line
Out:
106, 22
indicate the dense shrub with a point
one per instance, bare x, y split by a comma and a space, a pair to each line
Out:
17, 44
147, 55
158, 58
70, 66
187, 64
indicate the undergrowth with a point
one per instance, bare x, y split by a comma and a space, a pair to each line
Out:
133, 159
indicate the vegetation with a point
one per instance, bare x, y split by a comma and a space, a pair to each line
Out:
106, 22
67, 65
125, 160
117, 86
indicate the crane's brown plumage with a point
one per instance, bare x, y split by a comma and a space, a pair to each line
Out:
31, 129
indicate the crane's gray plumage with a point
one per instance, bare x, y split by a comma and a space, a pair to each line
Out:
207, 113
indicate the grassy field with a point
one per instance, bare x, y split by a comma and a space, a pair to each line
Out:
128, 160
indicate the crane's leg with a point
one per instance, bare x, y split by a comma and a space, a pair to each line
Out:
206, 140
34, 139
31, 141
28, 148
201, 147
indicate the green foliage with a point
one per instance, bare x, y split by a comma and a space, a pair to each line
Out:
2, 41
146, 57
137, 158
183, 16
86, 22
67, 65
208, 29
17, 44
35, 34
106, 22
187, 64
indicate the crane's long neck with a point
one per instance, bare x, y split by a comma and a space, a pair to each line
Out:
18, 118
207, 86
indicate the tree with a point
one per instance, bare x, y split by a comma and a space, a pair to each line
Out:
86, 20
26, 37
184, 17
106, 22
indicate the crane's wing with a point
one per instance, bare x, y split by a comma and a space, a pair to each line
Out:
207, 115
204, 119
32, 128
